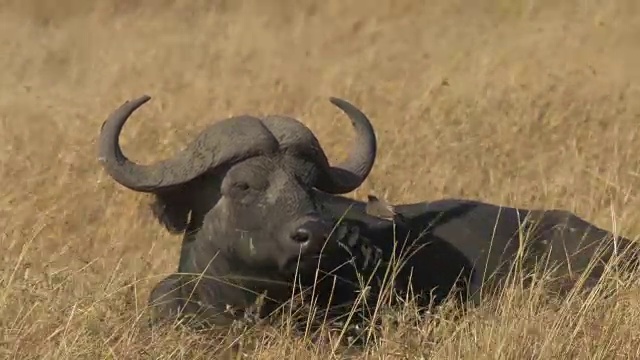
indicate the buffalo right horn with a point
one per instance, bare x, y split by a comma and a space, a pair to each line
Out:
350, 174
341, 178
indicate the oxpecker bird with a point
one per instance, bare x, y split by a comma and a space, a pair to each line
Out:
382, 209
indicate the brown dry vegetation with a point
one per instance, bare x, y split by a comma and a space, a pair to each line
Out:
527, 103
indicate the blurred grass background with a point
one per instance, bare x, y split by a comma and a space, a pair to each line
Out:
525, 103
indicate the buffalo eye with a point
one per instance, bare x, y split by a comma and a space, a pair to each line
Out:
241, 186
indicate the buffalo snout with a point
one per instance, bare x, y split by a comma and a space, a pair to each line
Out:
310, 232
301, 235
304, 241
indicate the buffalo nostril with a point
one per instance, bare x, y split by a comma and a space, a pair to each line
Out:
301, 235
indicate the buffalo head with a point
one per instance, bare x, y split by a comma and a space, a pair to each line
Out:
243, 192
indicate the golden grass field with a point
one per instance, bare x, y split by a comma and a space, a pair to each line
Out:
526, 103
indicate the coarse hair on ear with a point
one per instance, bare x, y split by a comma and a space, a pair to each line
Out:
172, 211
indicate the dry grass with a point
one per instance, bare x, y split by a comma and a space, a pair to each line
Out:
528, 103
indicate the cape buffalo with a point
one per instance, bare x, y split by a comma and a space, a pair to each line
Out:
260, 211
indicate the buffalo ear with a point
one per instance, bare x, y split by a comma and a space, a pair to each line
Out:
171, 211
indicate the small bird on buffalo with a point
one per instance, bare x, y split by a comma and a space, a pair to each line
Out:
382, 209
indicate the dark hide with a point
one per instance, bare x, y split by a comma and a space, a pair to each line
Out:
488, 236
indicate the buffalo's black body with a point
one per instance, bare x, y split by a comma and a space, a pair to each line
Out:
491, 237
261, 215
